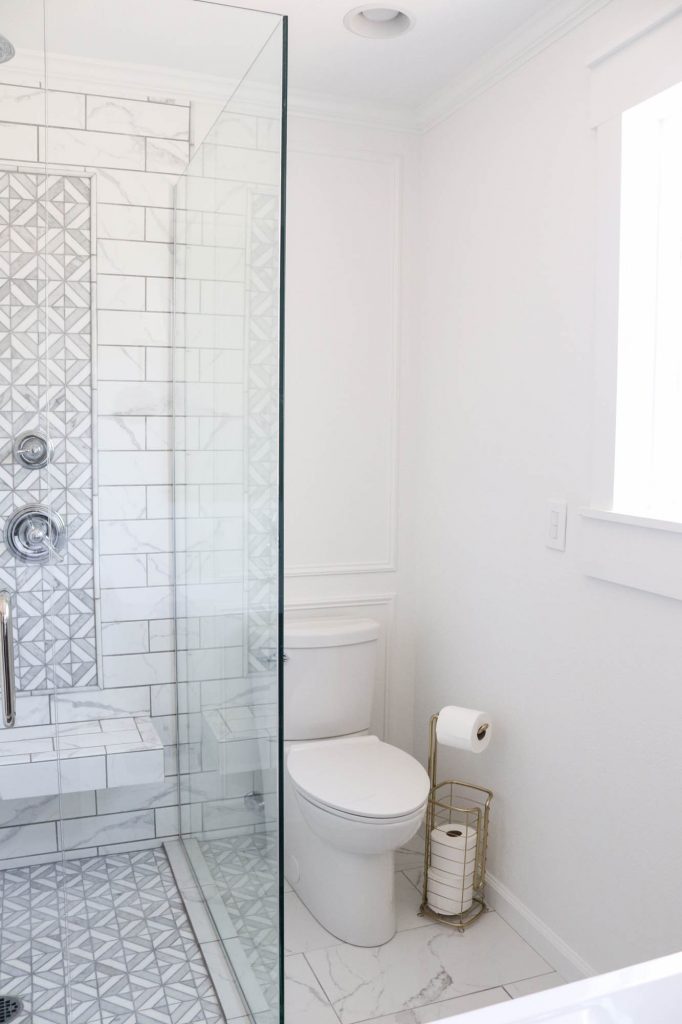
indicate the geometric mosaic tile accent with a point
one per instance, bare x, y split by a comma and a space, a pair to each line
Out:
244, 871
46, 383
102, 940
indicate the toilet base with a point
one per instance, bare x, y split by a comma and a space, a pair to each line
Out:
351, 895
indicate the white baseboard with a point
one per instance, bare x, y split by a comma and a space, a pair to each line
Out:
569, 964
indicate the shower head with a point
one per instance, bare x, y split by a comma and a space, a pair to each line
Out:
6, 50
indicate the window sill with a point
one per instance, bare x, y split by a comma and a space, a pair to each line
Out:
632, 551
625, 519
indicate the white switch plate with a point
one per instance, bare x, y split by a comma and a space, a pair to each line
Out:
555, 535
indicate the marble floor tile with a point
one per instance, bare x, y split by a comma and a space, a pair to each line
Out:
302, 932
420, 966
448, 1008
528, 986
304, 1000
408, 900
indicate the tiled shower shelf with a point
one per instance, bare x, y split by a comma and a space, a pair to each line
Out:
240, 739
72, 757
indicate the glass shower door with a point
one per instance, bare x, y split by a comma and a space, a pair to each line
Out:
227, 339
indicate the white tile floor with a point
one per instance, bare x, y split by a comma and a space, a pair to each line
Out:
426, 973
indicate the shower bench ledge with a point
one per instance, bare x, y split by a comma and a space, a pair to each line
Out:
74, 757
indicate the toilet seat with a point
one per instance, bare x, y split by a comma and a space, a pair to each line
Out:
359, 777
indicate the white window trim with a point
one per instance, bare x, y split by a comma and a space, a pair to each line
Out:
619, 547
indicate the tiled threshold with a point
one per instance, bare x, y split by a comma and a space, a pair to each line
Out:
76, 757
235, 986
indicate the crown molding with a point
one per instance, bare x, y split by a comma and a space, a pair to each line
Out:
64, 73
521, 46
82, 74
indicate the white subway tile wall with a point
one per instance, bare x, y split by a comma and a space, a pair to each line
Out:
136, 149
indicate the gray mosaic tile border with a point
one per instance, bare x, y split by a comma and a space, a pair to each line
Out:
46, 382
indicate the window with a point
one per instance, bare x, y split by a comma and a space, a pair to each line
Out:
648, 458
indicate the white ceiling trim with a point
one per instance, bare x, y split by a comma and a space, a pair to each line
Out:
530, 39
82, 74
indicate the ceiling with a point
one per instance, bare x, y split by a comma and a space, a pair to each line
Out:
326, 60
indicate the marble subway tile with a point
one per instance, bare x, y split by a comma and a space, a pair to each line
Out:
116, 220
158, 225
136, 797
159, 293
120, 363
73, 706
125, 637
116, 256
162, 635
125, 327
159, 364
138, 669
133, 536
123, 571
121, 433
170, 156
107, 828
122, 503
18, 141
118, 468
91, 149
120, 292
27, 105
27, 840
137, 117
129, 768
126, 604
159, 435
134, 399
139, 188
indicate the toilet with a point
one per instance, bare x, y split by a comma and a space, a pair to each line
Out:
350, 800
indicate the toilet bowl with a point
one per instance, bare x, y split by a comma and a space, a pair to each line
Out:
350, 800
350, 803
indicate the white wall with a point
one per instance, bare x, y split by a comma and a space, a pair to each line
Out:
347, 498
582, 677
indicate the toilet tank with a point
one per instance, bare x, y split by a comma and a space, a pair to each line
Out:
329, 672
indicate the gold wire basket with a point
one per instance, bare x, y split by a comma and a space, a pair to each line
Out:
453, 890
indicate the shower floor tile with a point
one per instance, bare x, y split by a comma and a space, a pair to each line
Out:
102, 940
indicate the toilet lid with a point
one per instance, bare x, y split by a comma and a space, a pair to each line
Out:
361, 776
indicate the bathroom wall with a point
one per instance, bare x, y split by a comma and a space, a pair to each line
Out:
349, 435
581, 676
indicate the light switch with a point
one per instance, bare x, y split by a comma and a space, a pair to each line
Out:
556, 525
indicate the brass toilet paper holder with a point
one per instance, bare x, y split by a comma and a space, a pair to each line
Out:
453, 890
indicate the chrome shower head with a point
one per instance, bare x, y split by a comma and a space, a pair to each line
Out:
7, 51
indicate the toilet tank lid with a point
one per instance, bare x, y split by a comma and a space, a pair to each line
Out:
329, 632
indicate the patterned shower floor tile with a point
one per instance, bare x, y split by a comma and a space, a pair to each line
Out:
102, 940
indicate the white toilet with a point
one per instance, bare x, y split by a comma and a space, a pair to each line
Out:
350, 800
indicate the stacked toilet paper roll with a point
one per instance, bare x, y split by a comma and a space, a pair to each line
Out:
451, 871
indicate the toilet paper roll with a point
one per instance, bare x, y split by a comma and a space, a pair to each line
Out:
463, 728
444, 884
449, 866
443, 905
454, 841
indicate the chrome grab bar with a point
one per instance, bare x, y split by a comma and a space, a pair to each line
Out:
9, 709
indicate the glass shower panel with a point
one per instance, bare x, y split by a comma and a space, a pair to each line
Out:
228, 224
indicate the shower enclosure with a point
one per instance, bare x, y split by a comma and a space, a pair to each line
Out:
141, 226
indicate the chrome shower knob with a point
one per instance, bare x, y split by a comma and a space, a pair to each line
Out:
34, 533
33, 449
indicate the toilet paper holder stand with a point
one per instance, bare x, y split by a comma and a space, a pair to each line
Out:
467, 808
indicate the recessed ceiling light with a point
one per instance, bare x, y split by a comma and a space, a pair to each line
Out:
377, 22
